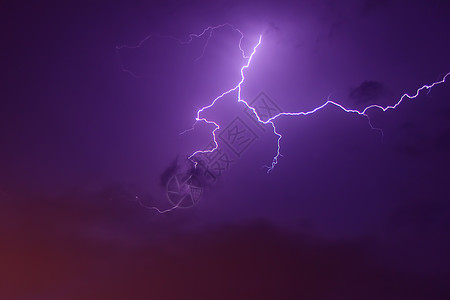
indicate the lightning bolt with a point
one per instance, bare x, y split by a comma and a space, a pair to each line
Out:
238, 87
158, 210
363, 112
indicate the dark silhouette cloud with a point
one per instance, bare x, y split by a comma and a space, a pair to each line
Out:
368, 92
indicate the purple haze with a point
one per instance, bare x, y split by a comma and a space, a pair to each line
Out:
346, 213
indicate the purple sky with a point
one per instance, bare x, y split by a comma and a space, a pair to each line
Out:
346, 214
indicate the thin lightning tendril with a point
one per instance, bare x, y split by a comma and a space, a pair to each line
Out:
207, 31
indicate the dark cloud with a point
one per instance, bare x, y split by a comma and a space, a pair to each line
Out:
368, 92
169, 172
246, 261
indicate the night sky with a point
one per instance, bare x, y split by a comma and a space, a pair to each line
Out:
90, 139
